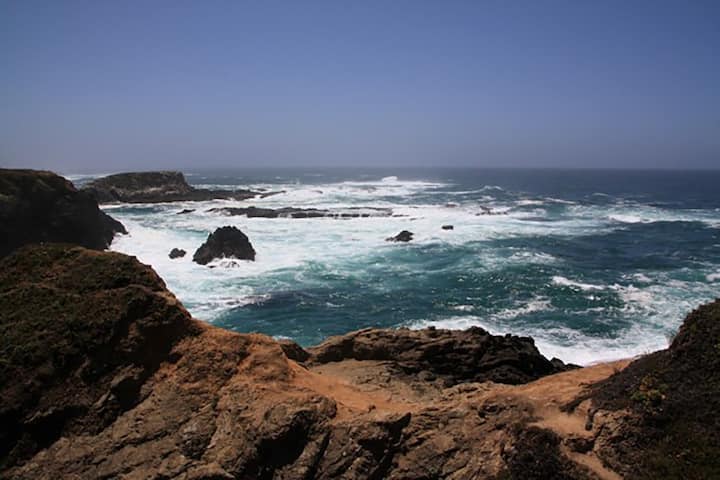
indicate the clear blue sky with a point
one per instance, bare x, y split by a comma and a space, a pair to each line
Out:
122, 85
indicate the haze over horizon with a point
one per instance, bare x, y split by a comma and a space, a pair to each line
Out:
118, 86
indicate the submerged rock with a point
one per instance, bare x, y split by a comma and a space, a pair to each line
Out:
225, 242
185, 211
155, 187
38, 206
404, 236
177, 253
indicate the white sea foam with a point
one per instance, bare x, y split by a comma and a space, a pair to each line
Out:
565, 282
291, 251
713, 277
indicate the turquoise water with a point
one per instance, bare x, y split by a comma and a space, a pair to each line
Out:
594, 265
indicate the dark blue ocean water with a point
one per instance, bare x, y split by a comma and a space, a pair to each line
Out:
594, 264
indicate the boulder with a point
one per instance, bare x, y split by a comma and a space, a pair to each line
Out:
155, 187
177, 253
38, 206
225, 242
404, 236
448, 227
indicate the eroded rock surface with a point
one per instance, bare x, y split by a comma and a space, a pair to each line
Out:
456, 356
103, 374
106, 375
38, 206
155, 187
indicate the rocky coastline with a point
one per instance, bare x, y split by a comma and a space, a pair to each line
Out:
104, 374
156, 187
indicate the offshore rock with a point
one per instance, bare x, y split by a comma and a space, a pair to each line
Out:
292, 212
225, 242
38, 206
177, 253
155, 187
404, 236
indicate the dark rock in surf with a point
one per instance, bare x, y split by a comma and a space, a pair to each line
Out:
185, 210
38, 206
448, 227
177, 253
156, 187
404, 236
292, 212
225, 242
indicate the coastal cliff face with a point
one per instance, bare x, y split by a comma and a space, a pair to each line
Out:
155, 187
106, 375
38, 206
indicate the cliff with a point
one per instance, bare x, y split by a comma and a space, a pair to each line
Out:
155, 187
104, 374
38, 206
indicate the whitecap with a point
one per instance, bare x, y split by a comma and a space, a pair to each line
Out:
565, 282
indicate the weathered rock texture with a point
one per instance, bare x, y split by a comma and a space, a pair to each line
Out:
471, 355
225, 242
103, 374
38, 206
155, 187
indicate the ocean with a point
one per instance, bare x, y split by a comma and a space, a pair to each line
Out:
595, 265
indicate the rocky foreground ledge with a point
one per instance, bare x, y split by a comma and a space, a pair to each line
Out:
104, 374
156, 187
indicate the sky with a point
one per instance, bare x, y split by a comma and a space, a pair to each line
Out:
98, 86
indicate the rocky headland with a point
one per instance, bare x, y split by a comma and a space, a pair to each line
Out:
37, 206
104, 374
156, 187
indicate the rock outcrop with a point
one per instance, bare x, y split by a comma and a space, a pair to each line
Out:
176, 253
225, 242
292, 212
404, 236
455, 356
38, 206
155, 187
658, 418
104, 374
